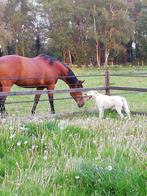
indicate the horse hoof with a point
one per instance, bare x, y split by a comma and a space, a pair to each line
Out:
33, 112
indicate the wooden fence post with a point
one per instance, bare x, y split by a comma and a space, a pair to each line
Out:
107, 82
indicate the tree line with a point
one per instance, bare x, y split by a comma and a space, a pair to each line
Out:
82, 32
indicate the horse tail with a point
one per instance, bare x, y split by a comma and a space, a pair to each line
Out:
126, 107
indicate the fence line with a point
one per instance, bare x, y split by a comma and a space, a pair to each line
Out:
42, 100
74, 90
57, 99
71, 91
59, 77
107, 76
128, 88
141, 74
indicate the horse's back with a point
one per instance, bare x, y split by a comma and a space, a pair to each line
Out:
25, 71
9, 66
11, 62
17, 64
14, 67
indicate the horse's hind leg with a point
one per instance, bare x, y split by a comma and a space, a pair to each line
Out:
36, 100
2, 105
51, 99
3, 99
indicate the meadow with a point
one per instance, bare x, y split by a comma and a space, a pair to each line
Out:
75, 155
137, 100
78, 156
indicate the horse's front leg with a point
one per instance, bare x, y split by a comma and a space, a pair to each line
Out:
51, 100
36, 100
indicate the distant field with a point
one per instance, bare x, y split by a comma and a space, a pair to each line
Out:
136, 100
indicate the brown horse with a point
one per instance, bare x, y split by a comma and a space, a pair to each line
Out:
39, 72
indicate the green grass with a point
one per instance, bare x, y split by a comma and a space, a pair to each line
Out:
78, 156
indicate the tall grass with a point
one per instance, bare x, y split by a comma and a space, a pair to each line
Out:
73, 157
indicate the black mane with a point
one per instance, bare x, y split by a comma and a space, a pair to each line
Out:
71, 78
49, 59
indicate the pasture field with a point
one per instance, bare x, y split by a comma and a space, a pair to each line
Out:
77, 155
137, 100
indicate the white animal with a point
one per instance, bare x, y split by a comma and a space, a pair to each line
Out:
105, 102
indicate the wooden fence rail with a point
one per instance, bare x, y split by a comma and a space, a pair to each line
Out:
49, 91
123, 88
21, 93
139, 74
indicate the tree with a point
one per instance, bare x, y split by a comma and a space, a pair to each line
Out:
78, 31
5, 32
116, 27
67, 29
20, 19
74, 23
141, 32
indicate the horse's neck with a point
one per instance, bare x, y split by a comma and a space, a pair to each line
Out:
67, 76
71, 79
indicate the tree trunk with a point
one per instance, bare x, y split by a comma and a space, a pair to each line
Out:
106, 56
97, 43
142, 62
23, 48
70, 58
98, 56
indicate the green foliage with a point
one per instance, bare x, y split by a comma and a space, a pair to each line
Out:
19, 22
71, 30
141, 34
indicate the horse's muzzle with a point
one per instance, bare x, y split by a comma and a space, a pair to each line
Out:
81, 105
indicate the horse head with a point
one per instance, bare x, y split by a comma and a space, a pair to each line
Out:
77, 96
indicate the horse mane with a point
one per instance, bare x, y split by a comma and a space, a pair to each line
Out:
71, 78
49, 59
